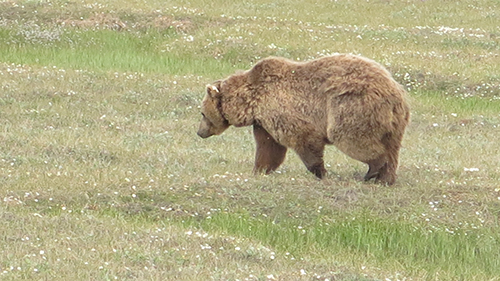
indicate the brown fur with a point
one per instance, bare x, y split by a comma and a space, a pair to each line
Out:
345, 100
269, 154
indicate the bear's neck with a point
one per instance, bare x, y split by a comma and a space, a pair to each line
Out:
239, 113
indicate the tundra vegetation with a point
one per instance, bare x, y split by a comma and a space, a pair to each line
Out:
103, 177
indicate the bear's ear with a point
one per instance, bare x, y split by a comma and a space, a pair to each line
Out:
213, 90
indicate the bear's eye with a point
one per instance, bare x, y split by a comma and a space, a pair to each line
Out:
203, 114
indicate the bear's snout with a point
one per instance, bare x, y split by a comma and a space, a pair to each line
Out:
204, 133
206, 128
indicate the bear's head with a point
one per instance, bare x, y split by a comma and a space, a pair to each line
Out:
226, 103
213, 121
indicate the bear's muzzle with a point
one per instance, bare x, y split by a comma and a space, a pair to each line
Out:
204, 133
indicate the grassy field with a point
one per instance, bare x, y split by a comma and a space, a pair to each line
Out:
102, 175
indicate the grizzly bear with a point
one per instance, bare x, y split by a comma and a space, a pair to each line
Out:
349, 101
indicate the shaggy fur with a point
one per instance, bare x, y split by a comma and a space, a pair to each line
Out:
345, 100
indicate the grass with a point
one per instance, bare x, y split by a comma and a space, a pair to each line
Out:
102, 176
376, 239
102, 51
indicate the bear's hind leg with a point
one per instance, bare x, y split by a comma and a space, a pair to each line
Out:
312, 156
269, 154
374, 167
387, 173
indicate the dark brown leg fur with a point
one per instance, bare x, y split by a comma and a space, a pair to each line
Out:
269, 154
375, 166
387, 173
312, 156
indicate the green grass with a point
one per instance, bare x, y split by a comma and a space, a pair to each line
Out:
434, 102
104, 51
378, 240
102, 176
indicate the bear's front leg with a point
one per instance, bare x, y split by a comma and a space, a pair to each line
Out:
311, 155
269, 154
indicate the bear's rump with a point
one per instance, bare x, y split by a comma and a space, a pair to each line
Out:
357, 125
